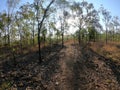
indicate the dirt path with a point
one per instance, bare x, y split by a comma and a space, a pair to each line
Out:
81, 69
67, 62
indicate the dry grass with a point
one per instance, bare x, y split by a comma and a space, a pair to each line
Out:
110, 50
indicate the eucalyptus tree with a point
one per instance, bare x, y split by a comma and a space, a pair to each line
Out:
58, 34
50, 23
29, 16
44, 33
28, 22
92, 15
25, 25
40, 8
93, 22
50, 33
3, 27
19, 20
77, 13
116, 23
106, 19
85, 17
13, 31
65, 25
111, 32
12, 4
63, 15
32, 18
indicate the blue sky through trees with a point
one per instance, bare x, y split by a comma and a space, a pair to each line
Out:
111, 5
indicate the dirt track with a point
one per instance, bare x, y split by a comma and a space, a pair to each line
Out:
82, 69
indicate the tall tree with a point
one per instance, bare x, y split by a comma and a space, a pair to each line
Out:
40, 22
77, 13
3, 25
63, 6
11, 6
44, 33
116, 24
106, 20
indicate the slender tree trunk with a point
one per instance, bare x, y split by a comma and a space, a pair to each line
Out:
86, 37
33, 37
8, 26
50, 41
57, 39
5, 37
79, 39
62, 40
116, 33
20, 39
44, 37
62, 30
8, 35
0, 40
106, 35
39, 44
113, 36
79, 35
40, 26
33, 31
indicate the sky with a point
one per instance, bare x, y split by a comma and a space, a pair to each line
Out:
111, 5
3, 4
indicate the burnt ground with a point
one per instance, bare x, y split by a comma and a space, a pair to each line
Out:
70, 68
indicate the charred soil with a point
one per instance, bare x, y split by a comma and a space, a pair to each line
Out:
73, 67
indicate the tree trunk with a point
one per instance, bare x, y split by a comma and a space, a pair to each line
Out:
20, 39
62, 40
8, 35
106, 36
44, 37
8, 26
39, 43
79, 35
40, 26
79, 39
33, 31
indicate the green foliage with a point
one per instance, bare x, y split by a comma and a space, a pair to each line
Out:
1, 25
92, 33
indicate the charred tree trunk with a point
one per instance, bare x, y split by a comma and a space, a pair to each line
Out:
33, 32
39, 43
79, 35
39, 28
79, 39
106, 36
8, 27
44, 37
62, 40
